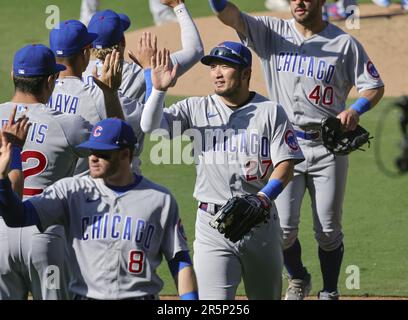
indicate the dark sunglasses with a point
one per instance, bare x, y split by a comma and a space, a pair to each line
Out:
106, 155
228, 53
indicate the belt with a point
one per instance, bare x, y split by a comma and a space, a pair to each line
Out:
210, 208
311, 135
146, 297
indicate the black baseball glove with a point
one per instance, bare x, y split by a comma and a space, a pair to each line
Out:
239, 215
343, 142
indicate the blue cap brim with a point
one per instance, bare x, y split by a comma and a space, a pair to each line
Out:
91, 38
207, 60
93, 145
125, 21
59, 67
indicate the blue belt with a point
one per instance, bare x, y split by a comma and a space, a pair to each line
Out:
313, 135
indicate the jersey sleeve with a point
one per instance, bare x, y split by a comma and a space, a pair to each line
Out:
259, 33
51, 205
361, 70
177, 118
284, 144
133, 82
76, 130
174, 238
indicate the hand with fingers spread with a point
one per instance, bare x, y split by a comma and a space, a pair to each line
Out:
16, 131
146, 49
111, 77
163, 75
5, 156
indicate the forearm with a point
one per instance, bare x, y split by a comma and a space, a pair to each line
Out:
368, 99
153, 111
112, 104
280, 177
230, 15
14, 212
187, 284
182, 271
192, 46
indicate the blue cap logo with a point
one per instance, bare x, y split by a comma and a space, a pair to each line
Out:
110, 134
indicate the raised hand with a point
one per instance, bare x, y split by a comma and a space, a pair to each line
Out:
163, 76
146, 49
111, 77
16, 131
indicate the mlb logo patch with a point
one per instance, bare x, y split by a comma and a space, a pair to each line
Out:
60, 52
21, 71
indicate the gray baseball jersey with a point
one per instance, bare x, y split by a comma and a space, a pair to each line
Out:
235, 151
116, 241
48, 155
133, 82
72, 97
311, 77
238, 149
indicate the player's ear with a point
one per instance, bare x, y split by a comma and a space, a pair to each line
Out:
246, 74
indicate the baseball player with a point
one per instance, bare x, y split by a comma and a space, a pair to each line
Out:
310, 66
243, 144
70, 41
29, 258
118, 224
110, 28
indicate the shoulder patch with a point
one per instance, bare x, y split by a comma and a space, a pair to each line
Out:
372, 71
291, 141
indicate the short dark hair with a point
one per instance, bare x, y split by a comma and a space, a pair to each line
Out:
31, 85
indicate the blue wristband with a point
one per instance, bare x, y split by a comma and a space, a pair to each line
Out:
361, 105
217, 5
16, 158
272, 189
148, 81
189, 296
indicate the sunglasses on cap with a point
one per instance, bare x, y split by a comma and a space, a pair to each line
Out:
228, 53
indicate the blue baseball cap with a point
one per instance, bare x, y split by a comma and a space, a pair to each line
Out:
110, 134
233, 52
69, 37
35, 60
109, 26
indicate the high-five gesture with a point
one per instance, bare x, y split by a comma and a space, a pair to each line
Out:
163, 76
16, 131
146, 49
111, 76
13, 133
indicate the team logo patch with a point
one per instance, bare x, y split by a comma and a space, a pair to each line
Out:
291, 140
372, 71
180, 230
97, 131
